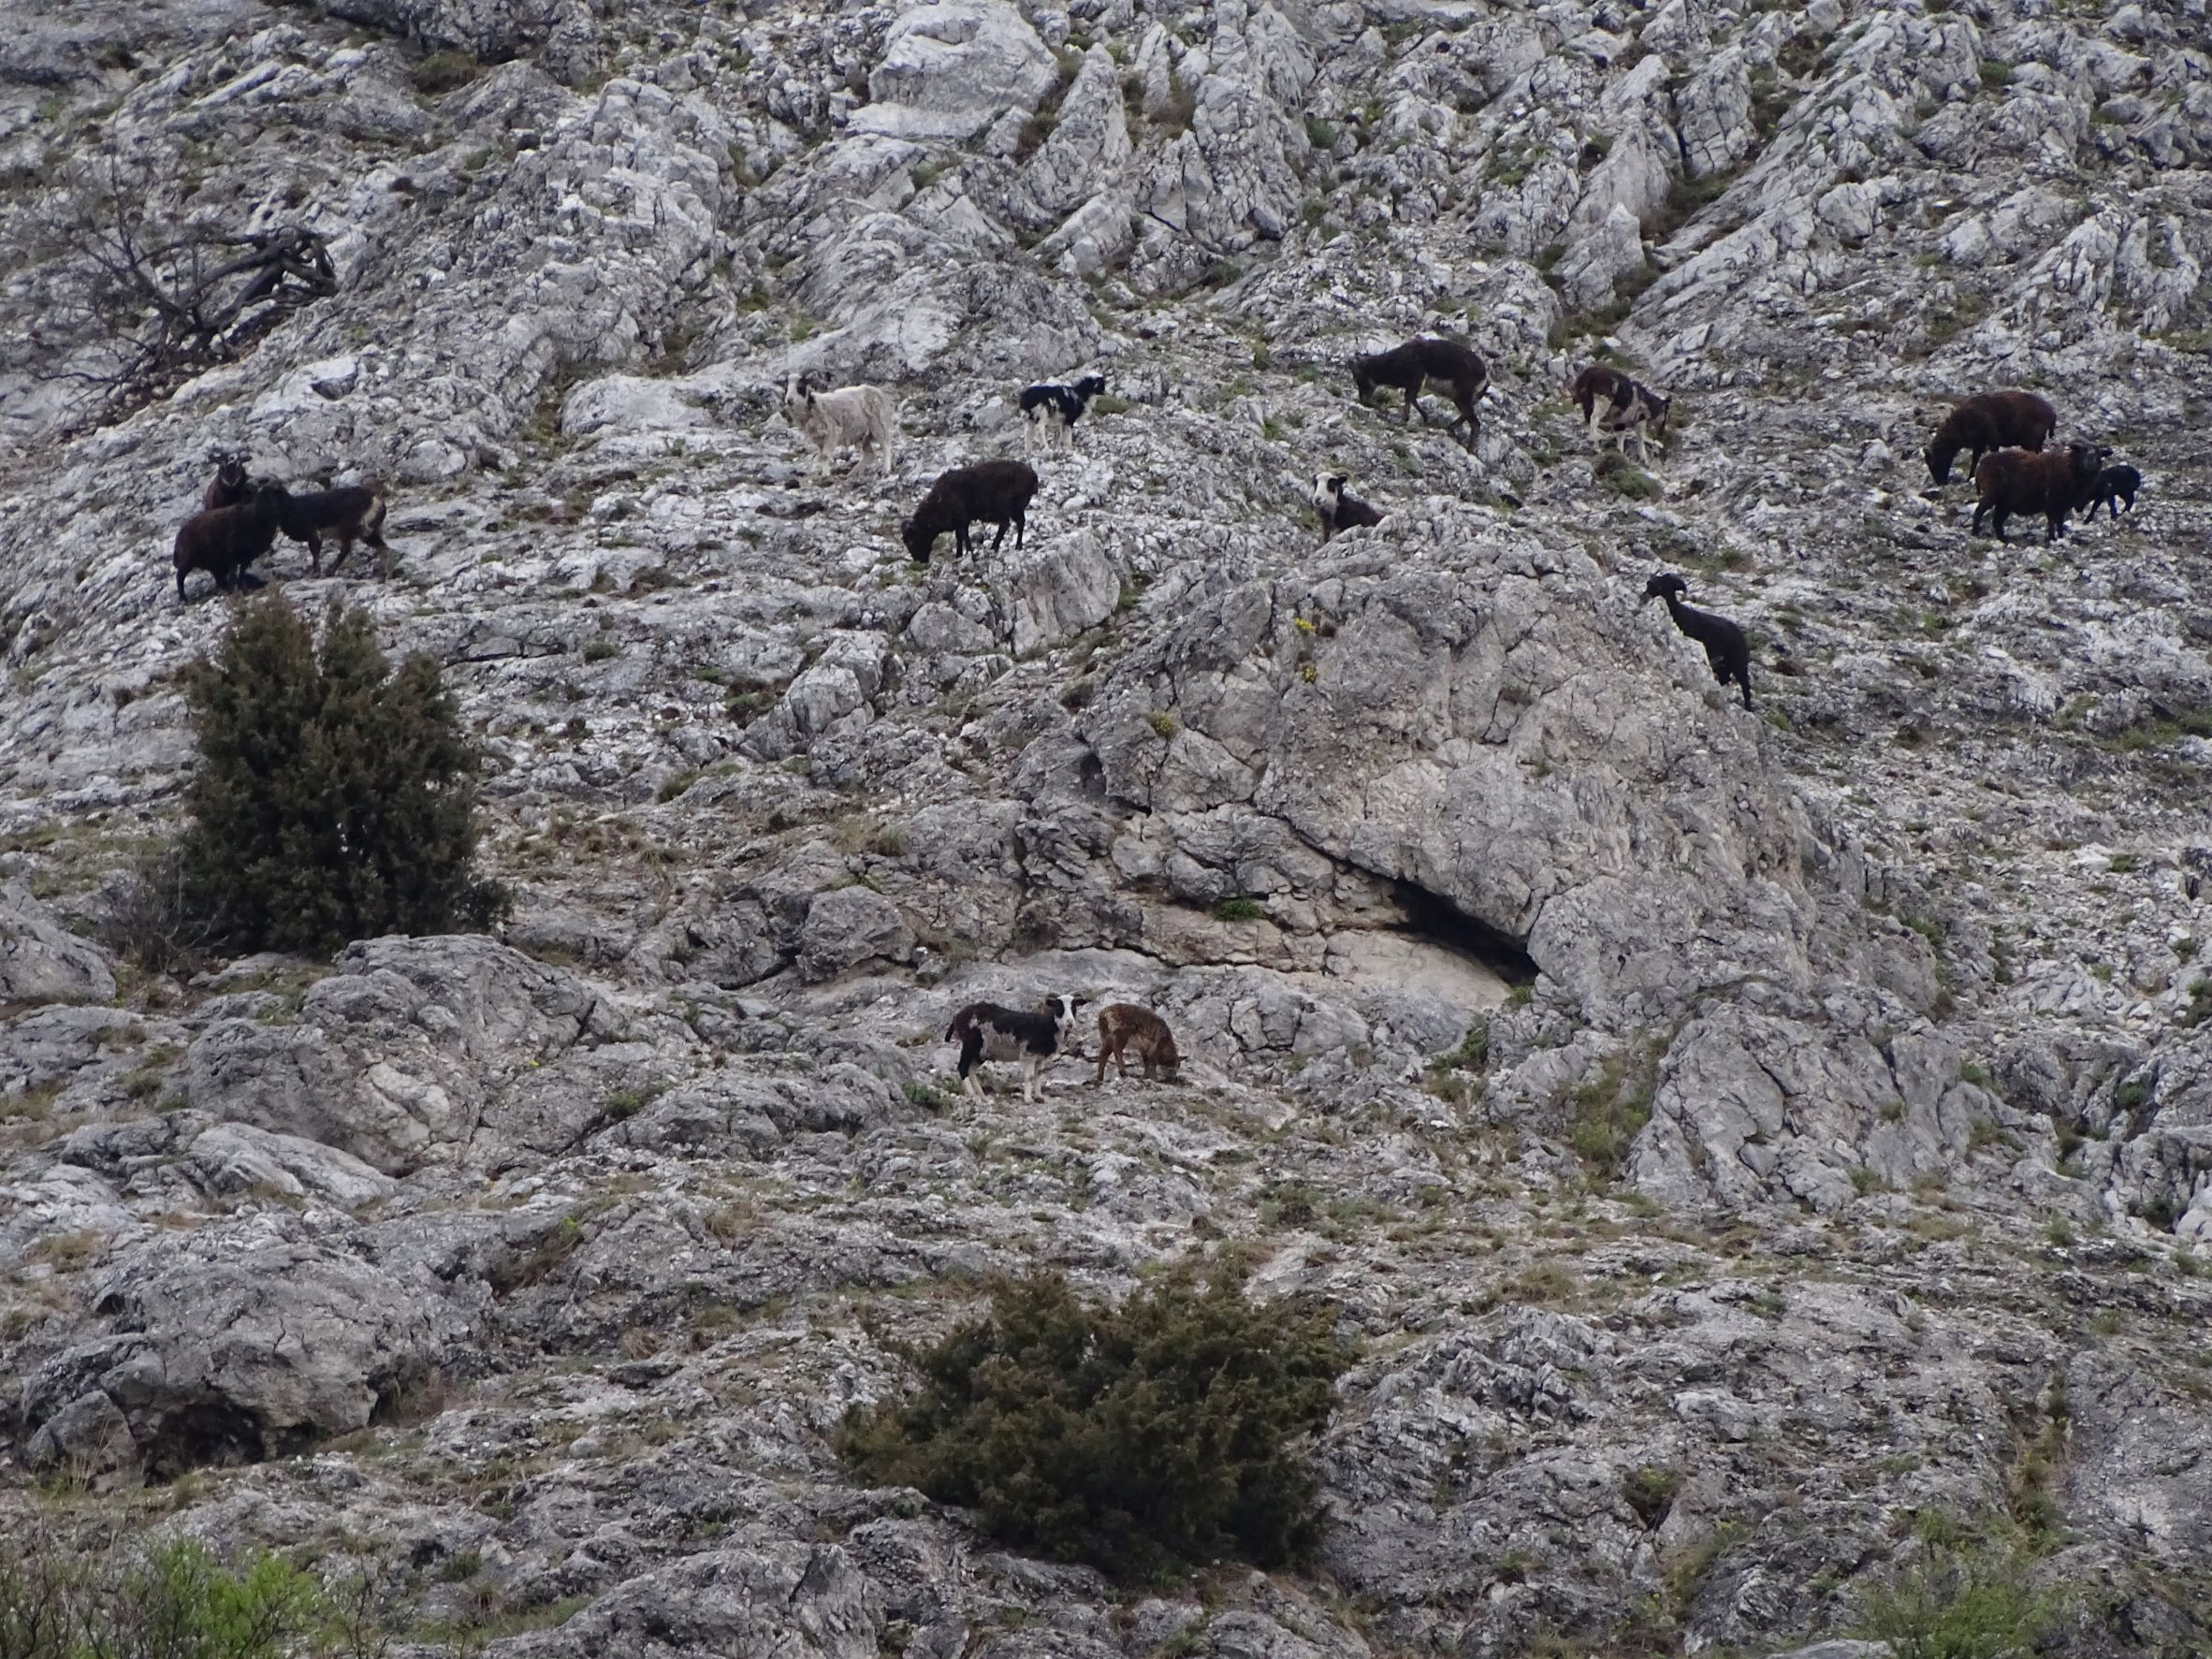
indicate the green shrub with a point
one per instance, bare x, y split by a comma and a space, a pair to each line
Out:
164, 1601
1616, 472
1239, 909
1650, 1491
1962, 1599
443, 71
335, 798
1163, 1432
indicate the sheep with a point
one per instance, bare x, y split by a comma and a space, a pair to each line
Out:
229, 487
1629, 407
987, 1032
223, 541
998, 492
353, 513
1988, 421
1124, 1026
861, 417
1726, 647
1050, 405
1336, 510
2113, 484
1455, 369
2027, 481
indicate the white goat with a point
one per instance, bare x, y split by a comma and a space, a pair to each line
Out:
861, 417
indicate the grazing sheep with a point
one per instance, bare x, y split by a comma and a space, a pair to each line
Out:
1336, 510
229, 487
1050, 405
2027, 481
1454, 369
1988, 421
987, 1032
1726, 647
859, 417
1628, 406
223, 541
2114, 484
355, 513
1124, 1026
997, 492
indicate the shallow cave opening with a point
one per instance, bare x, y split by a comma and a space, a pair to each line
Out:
207, 1433
1435, 920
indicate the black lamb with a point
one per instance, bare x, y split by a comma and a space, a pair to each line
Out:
1726, 647
997, 492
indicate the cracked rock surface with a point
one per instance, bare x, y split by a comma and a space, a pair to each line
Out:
1837, 1153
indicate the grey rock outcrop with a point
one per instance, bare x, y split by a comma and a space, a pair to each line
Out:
41, 961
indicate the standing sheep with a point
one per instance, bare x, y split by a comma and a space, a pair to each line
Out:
860, 417
2024, 481
1988, 421
1725, 648
997, 492
1448, 364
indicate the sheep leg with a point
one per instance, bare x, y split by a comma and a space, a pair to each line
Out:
384, 562
960, 538
1021, 524
999, 540
345, 547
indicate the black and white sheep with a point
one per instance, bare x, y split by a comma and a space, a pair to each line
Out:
1050, 407
1725, 648
2029, 481
859, 417
353, 513
223, 541
1335, 509
994, 492
1450, 365
1614, 405
2113, 484
987, 1032
1988, 421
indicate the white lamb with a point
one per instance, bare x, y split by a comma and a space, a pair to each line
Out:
861, 417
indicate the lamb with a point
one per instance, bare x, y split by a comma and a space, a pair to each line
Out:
1336, 510
1051, 406
2024, 481
223, 541
1454, 368
229, 487
1124, 1026
1726, 647
860, 417
1630, 406
987, 1032
353, 513
998, 492
2112, 485
1988, 421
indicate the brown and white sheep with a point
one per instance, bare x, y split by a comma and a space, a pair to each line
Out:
1988, 421
1450, 365
1614, 405
2028, 481
351, 513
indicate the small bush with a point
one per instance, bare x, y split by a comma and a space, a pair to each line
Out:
1163, 723
1239, 909
1472, 1055
444, 71
335, 798
1616, 474
1962, 1600
163, 1601
1160, 1433
1650, 1491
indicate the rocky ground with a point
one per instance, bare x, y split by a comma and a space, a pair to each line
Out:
1842, 1153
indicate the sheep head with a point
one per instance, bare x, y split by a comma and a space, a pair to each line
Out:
1664, 585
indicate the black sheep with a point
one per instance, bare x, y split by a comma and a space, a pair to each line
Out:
997, 492
1726, 647
1988, 421
351, 513
2112, 485
1335, 509
2030, 481
223, 541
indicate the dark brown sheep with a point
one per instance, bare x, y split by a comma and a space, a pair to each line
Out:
352, 514
223, 541
229, 487
1988, 421
2026, 481
1447, 364
997, 492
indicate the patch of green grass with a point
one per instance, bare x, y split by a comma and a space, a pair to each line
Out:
1618, 474
1239, 908
1604, 1114
599, 648
1163, 723
1962, 1598
443, 72
928, 1099
624, 1104
675, 784
1997, 74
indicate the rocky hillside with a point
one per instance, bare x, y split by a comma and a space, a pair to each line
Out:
1745, 1144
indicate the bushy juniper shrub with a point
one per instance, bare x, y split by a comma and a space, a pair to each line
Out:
335, 796
1167, 1431
171, 1600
